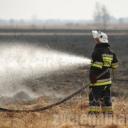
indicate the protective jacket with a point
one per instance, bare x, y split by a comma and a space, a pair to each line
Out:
102, 58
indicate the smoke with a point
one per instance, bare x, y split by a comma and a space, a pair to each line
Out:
22, 61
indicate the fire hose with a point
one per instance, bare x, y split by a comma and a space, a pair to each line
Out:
54, 104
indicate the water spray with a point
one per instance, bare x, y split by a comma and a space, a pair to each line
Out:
19, 62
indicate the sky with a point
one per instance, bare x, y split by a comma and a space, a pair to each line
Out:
59, 9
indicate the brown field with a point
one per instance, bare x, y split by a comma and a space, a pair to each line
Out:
72, 114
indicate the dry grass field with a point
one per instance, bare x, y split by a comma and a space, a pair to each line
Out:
72, 114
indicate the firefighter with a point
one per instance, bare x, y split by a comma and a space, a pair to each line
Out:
103, 58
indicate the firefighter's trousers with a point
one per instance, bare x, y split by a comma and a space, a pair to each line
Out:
100, 99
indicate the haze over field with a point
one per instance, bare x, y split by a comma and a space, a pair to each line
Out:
59, 9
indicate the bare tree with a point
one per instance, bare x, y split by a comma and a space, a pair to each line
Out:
105, 17
101, 16
97, 14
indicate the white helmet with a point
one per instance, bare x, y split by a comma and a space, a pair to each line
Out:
103, 38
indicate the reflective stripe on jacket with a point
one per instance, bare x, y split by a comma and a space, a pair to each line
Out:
102, 59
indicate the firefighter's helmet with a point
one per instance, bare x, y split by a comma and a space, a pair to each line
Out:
103, 38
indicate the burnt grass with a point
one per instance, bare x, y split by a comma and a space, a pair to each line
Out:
65, 82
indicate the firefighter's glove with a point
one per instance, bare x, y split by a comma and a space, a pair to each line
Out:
93, 79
